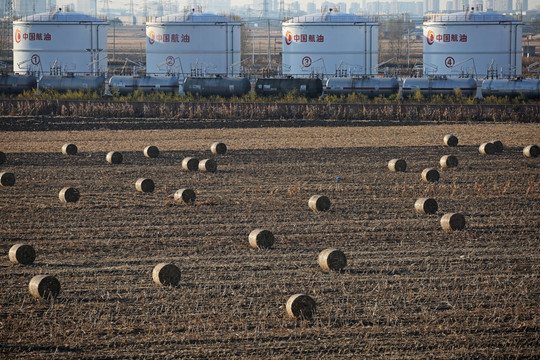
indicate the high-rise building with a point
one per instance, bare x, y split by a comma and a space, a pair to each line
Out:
30, 7
311, 8
431, 6
354, 8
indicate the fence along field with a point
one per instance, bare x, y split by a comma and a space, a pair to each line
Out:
409, 288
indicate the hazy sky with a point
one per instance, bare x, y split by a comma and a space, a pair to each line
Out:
124, 3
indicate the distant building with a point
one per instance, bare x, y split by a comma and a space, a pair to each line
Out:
431, 6
30, 7
354, 8
311, 8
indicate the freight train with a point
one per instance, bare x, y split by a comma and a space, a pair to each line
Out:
308, 87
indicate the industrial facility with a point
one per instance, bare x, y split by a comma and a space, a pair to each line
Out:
329, 52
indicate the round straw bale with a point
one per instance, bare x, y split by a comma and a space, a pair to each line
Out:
166, 274
261, 239
69, 149
453, 221
190, 164
426, 206
208, 165
185, 195
319, 203
69, 194
301, 306
499, 147
145, 185
7, 179
22, 254
151, 151
218, 148
531, 151
397, 165
430, 175
3, 157
114, 157
487, 148
332, 259
449, 161
44, 286
450, 140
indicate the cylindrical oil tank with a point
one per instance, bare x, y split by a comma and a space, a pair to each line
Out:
472, 42
329, 42
64, 83
309, 87
193, 42
368, 86
221, 86
438, 85
14, 84
511, 87
145, 84
63, 41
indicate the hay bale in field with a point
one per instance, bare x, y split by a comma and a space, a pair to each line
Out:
145, 185
453, 221
69, 194
22, 254
166, 274
151, 151
3, 158
69, 149
319, 203
487, 148
208, 165
114, 157
450, 140
301, 306
218, 148
190, 164
332, 259
44, 287
499, 147
397, 165
426, 206
7, 179
185, 195
261, 239
448, 161
430, 175
531, 151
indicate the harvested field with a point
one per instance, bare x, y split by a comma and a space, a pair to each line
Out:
409, 290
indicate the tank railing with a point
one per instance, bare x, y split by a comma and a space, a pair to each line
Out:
189, 19
61, 18
330, 19
172, 69
472, 17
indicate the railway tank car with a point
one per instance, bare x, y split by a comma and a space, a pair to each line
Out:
309, 87
146, 84
371, 87
220, 86
438, 85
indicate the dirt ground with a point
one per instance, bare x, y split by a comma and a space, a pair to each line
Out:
410, 290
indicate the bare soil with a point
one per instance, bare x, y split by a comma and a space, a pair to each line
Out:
409, 291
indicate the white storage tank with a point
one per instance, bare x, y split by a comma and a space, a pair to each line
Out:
472, 43
329, 42
66, 41
195, 43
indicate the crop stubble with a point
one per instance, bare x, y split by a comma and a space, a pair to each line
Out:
410, 290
